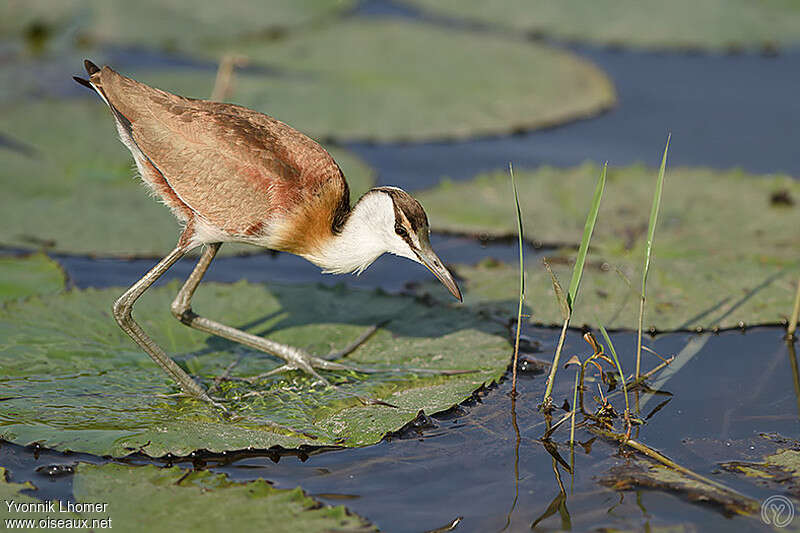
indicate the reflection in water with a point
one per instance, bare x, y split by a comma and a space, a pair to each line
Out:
640, 505
795, 374
559, 503
516, 455
390, 273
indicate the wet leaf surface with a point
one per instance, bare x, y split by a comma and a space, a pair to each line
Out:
390, 80
13, 491
29, 505
779, 469
25, 276
110, 395
639, 473
687, 294
361, 79
173, 499
465, 464
74, 190
724, 254
465, 461
173, 24
683, 24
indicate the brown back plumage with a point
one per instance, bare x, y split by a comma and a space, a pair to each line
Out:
243, 172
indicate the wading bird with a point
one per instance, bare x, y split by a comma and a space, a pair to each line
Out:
230, 174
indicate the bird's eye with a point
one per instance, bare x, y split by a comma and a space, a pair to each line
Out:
400, 230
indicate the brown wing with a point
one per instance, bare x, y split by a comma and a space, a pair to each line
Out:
239, 169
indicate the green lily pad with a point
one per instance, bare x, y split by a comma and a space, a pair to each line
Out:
391, 80
21, 277
683, 24
725, 248
682, 294
174, 24
13, 491
731, 211
28, 510
779, 470
77, 382
637, 473
148, 498
76, 191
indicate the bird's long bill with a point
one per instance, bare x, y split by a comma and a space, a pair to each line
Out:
429, 258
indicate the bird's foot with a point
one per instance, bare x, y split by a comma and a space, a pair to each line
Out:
324, 364
206, 397
297, 359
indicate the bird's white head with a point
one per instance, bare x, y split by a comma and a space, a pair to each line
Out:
385, 219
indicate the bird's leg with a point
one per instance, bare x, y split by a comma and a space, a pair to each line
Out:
182, 310
122, 313
295, 358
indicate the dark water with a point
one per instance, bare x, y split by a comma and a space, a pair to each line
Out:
463, 463
389, 272
723, 111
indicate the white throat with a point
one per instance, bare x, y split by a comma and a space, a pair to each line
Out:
368, 233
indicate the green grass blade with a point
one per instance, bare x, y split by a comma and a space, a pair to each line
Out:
521, 279
577, 271
619, 367
651, 231
651, 228
520, 235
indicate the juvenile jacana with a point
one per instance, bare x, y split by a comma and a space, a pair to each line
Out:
231, 174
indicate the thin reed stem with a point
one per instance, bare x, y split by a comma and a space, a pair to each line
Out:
651, 231
795, 314
521, 282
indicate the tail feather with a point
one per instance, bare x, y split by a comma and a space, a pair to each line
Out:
85, 83
91, 68
93, 84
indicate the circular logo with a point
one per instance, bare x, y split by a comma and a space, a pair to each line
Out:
777, 511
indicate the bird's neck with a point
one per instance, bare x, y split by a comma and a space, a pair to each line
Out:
361, 239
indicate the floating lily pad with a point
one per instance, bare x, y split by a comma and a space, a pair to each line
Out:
13, 491
110, 395
681, 293
148, 498
725, 248
172, 24
25, 276
391, 80
683, 24
636, 473
18, 505
72, 187
706, 210
779, 470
